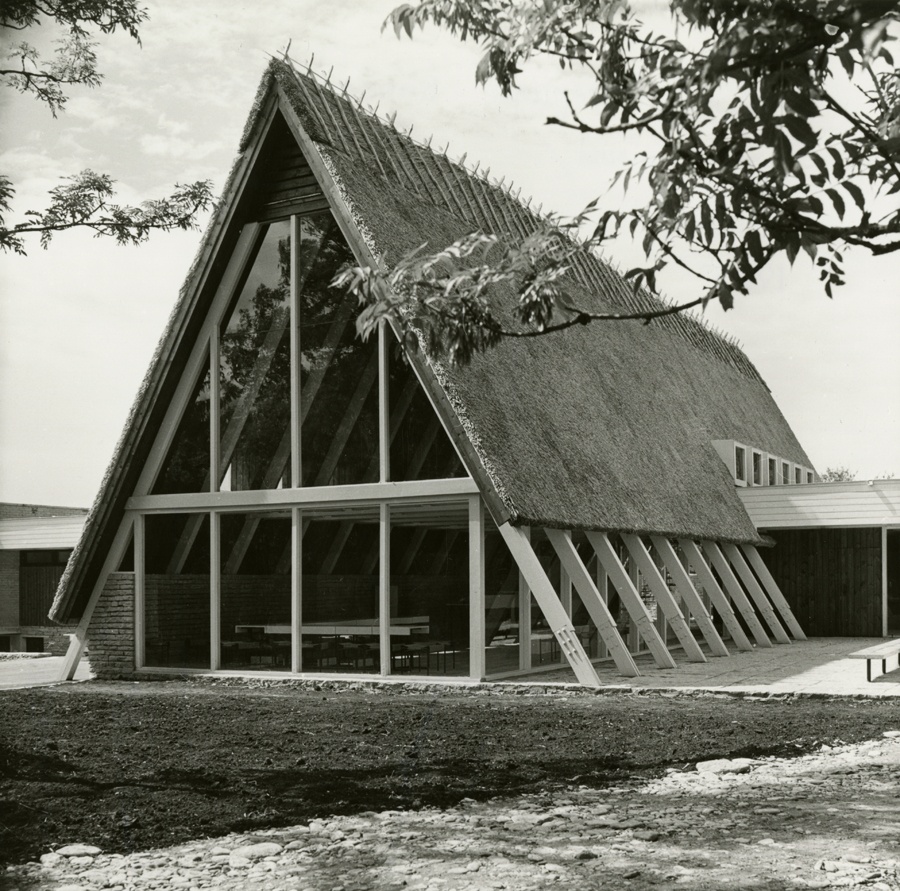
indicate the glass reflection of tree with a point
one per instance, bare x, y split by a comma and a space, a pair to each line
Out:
337, 373
254, 377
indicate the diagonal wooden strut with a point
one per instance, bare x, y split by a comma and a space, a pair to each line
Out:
736, 592
756, 593
593, 601
542, 589
689, 594
664, 599
630, 598
771, 586
715, 593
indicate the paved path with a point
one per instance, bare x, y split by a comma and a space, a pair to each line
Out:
38, 672
825, 820
815, 666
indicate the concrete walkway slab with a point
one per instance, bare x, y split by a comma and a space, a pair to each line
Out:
814, 666
41, 671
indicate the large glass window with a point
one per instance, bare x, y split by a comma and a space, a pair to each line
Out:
420, 447
255, 560
254, 372
176, 591
429, 595
340, 615
338, 371
186, 467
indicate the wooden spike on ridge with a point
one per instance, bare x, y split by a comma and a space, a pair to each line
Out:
309, 65
328, 79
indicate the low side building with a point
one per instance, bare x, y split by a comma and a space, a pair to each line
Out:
837, 553
36, 542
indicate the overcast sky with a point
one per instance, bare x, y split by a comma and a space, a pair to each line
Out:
79, 322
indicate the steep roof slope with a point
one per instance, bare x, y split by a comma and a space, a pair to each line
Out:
608, 426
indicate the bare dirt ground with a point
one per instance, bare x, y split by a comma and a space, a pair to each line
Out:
392, 789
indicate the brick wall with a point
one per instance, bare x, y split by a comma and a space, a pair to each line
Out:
111, 632
56, 637
9, 589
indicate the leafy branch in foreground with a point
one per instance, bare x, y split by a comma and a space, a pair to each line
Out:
85, 201
771, 129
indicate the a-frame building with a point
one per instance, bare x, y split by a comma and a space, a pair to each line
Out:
288, 498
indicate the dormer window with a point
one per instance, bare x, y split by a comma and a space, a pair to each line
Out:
785, 473
757, 468
740, 464
809, 476
773, 472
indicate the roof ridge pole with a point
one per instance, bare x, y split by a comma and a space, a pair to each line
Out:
425, 154
410, 149
689, 595
442, 162
311, 103
769, 583
664, 599
461, 186
548, 600
714, 592
756, 593
363, 122
593, 601
394, 139
324, 97
507, 220
631, 599
738, 597
341, 101
491, 215
377, 126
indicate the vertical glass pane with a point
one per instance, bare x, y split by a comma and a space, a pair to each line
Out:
176, 591
420, 447
254, 373
338, 371
255, 554
186, 468
429, 626
501, 605
340, 630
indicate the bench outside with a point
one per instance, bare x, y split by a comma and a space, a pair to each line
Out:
878, 652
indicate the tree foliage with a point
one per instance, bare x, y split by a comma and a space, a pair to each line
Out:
84, 200
838, 475
763, 128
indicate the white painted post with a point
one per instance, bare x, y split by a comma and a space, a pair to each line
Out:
593, 601
565, 597
530, 567
756, 593
384, 408
689, 594
477, 633
215, 591
884, 582
630, 598
664, 599
715, 593
139, 592
524, 614
384, 587
771, 586
295, 414
736, 592
296, 591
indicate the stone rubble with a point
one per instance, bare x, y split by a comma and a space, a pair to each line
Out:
826, 820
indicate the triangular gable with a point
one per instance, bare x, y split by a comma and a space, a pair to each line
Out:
161, 449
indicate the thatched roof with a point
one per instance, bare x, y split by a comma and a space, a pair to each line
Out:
607, 426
